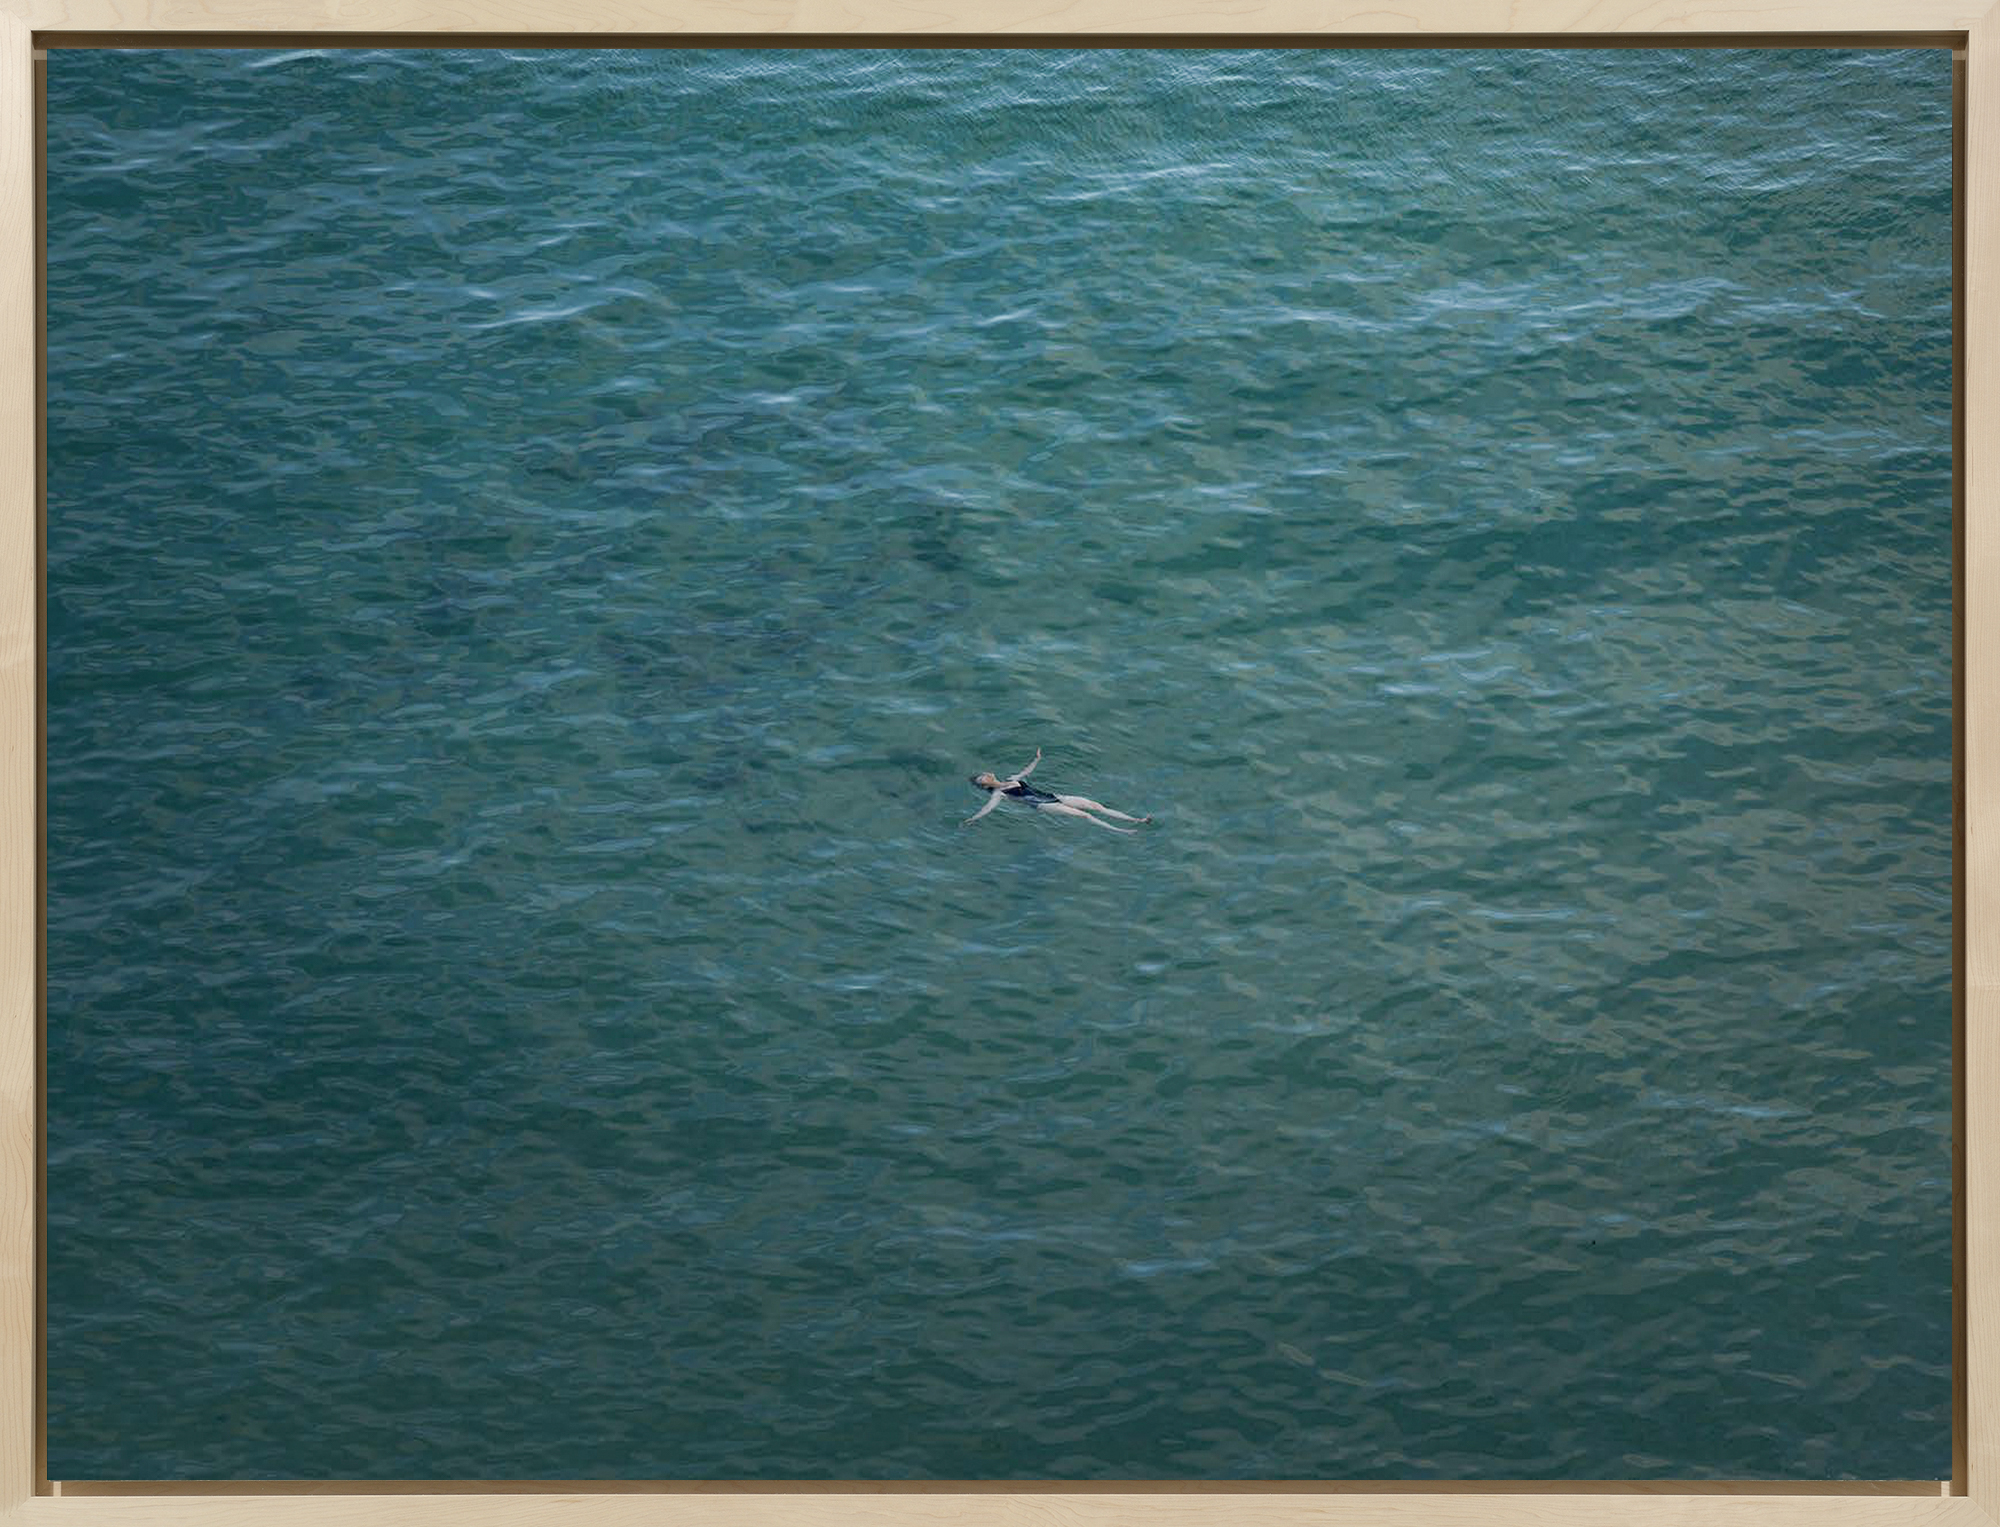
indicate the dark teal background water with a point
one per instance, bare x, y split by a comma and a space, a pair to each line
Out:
538, 541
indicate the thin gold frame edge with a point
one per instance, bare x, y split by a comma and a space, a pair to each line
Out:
808, 1508
1355, 1507
1418, 20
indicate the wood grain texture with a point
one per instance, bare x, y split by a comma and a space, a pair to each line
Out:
19, 1020
1094, 1510
1658, 1506
1165, 17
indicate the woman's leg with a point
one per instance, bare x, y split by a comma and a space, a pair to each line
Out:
1089, 805
1062, 810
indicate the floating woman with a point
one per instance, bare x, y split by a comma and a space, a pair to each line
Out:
1018, 789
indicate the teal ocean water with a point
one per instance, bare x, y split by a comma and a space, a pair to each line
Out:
538, 543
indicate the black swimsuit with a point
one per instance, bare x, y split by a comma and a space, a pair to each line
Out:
1022, 791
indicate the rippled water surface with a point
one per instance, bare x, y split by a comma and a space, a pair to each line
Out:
538, 542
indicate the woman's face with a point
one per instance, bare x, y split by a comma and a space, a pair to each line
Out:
986, 781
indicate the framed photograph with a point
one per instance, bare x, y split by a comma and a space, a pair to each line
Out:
863, 766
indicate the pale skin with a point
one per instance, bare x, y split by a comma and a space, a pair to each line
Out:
1061, 805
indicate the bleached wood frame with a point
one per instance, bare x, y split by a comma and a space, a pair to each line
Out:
1970, 1499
